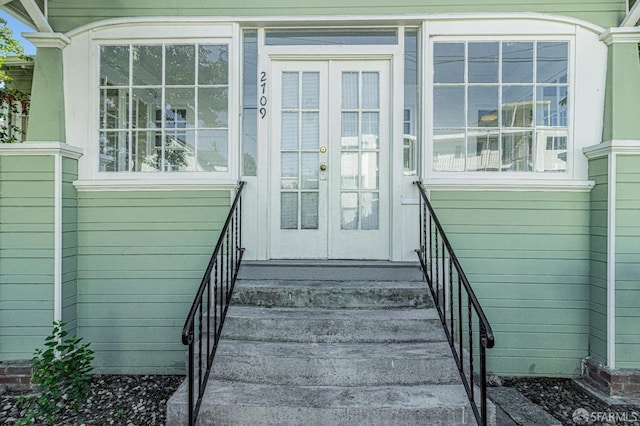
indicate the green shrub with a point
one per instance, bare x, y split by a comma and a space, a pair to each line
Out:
62, 371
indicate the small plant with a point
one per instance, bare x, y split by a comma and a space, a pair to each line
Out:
62, 371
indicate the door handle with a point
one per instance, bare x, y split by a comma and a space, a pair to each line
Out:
323, 167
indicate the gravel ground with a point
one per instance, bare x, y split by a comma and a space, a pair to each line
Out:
562, 397
141, 400
113, 400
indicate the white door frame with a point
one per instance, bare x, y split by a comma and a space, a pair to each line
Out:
267, 54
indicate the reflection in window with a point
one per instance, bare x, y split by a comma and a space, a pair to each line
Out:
500, 106
411, 102
164, 108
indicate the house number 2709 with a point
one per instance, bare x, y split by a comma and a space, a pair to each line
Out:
263, 94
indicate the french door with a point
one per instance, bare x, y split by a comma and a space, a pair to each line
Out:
329, 157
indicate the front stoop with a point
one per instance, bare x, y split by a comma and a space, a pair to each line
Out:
330, 343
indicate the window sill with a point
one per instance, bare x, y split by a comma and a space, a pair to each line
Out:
176, 184
475, 184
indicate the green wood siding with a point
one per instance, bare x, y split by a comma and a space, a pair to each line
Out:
26, 253
65, 15
622, 93
627, 261
69, 244
527, 256
598, 172
141, 256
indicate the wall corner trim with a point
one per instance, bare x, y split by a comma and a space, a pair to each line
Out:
617, 146
55, 40
41, 148
621, 35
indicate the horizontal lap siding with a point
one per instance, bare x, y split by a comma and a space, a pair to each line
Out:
69, 244
526, 255
141, 258
598, 172
628, 261
65, 15
26, 253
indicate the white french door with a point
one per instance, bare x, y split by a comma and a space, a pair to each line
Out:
330, 157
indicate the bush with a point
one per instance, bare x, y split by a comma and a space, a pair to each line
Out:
63, 372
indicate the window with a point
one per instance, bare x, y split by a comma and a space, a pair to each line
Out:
496, 104
164, 108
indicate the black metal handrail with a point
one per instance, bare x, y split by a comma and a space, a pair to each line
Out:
441, 269
212, 299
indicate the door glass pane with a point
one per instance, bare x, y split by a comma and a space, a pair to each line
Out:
289, 130
369, 207
310, 130
289, 210
349, 170
369, 173
289, 170
350, 130
289, 90
311, 90
350, 98
310, 167
370, 130
370, 90
349, 210
309, 210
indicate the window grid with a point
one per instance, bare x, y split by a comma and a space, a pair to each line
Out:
163, 131
561, 117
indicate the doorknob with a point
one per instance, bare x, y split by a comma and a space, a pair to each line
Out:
323, 149
323, 167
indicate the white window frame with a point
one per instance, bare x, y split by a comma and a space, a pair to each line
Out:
496, 174
530, 30
157, 34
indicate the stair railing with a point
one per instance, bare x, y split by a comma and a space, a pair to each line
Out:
210, 305
453, 295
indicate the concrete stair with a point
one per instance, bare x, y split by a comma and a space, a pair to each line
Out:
330, 343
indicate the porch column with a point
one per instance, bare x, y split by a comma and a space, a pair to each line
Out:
46, 113
615, 228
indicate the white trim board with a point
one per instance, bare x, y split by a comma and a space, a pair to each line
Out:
127, 185
470, 184
41, 148
57, 239
340, 20
611, 262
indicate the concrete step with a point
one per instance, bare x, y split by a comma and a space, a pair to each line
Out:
335, 364
331, 294
249, 404
318, 325
331, 270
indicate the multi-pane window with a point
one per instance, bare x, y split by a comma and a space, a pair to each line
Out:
500, 106
164, 107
